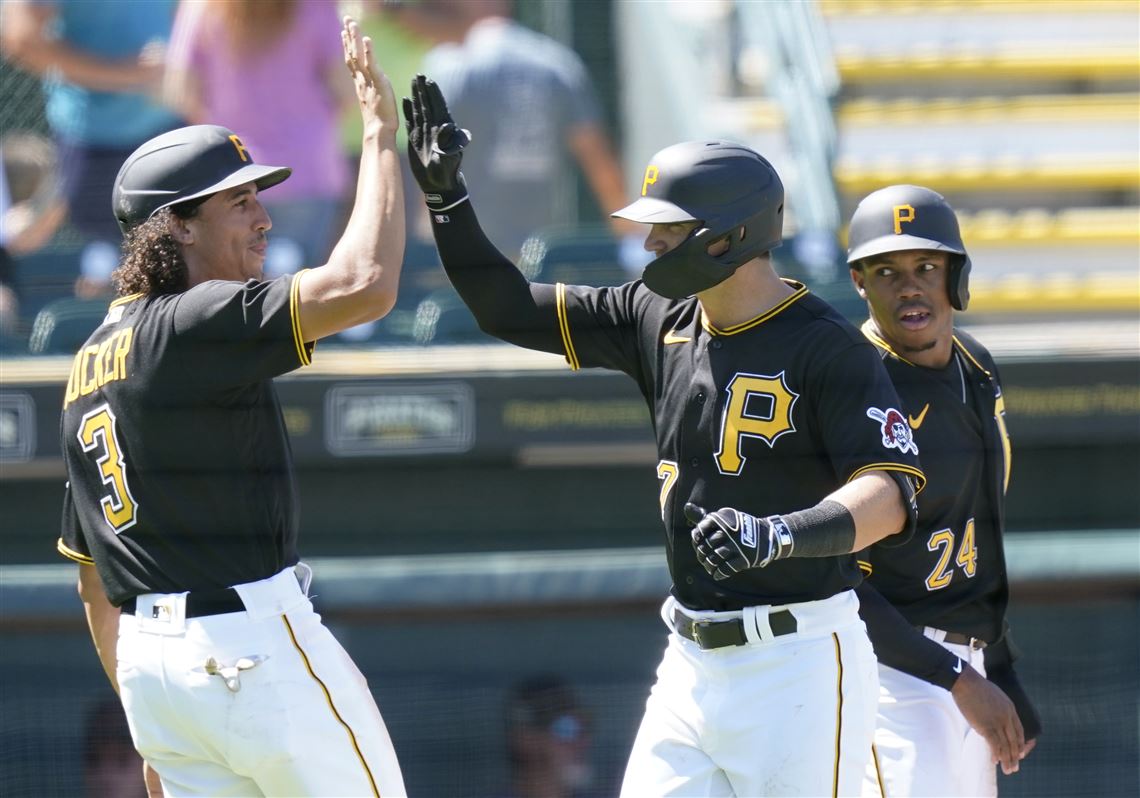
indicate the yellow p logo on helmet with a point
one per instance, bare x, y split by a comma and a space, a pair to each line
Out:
650, 178
242, 153
903, 213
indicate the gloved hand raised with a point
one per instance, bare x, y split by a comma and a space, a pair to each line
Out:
728, 541
435, 145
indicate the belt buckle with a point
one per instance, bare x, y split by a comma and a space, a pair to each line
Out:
698, 625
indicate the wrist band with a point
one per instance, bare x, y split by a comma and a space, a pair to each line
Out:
781, 542
435, 202
826, 530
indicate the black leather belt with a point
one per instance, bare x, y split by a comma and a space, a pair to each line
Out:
959, 639
718, 634
202, 602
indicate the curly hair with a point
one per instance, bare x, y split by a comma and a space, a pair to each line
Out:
152, 260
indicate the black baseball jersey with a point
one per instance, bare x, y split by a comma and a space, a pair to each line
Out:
951, 574
180, 473
768, 416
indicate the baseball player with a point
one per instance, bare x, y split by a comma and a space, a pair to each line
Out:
941, 724
770, 414
181, 507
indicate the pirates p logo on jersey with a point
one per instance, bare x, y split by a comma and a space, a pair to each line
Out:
896, 432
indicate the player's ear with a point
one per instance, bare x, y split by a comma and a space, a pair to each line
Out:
857, 278
180, 231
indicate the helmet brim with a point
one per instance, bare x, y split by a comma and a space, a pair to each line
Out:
649, 210
263, 176
900, 243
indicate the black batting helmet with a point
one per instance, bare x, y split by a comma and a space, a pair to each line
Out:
903, 217
730, 189
185, 164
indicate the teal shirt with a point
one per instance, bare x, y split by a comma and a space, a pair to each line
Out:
114, 30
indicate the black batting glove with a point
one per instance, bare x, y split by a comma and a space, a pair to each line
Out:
728, 541
435, 145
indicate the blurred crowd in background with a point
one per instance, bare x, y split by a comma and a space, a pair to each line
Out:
1022, 114
116, 74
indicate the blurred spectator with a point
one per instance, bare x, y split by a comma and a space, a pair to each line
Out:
9, 303
528, 102
101, 63
31, 210
548, 740
111, 765
273, 71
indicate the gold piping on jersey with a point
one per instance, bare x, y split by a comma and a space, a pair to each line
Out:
878, 771
328, 697
999, 415
1006, 447
868, 329
123, 300
865, 567
919, 477
303, 351
564, 326
800, 293
999, 406
838, 712
72, 554
966, 352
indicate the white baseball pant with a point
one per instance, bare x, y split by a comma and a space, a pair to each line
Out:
282, 709
923, 744
788, 715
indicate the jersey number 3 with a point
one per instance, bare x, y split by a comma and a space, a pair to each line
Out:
99, 438
967, 558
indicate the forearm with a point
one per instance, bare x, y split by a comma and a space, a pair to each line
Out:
860, 513
361, 279
77, 67
503, 302
901, 646
102, 620
373, 239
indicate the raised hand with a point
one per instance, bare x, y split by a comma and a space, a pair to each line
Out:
435, 145
373, 89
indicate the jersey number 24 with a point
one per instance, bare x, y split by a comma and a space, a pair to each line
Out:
942, 541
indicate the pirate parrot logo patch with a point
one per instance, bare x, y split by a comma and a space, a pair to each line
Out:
896, 432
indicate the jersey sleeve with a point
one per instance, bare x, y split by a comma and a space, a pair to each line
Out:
71, 543
599, 326
230, 333
901, 646
861, 418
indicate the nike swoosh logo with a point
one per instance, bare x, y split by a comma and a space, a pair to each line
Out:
915, 423
958, 666
671, 337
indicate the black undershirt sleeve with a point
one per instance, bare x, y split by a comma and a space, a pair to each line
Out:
504, 303
900, 646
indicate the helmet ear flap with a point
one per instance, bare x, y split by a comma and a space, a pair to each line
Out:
959, 282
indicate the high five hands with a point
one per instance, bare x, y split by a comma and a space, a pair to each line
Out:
435, 145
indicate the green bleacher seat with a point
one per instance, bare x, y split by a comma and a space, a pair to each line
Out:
62, 326
442, 318
575, 256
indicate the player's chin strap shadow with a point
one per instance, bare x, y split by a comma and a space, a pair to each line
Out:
231, 674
